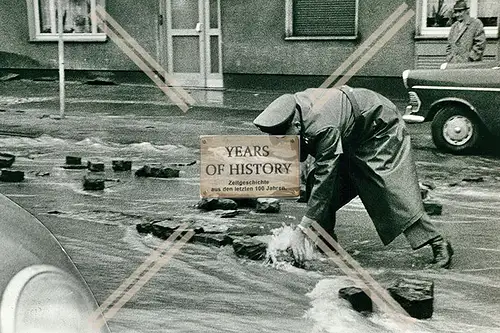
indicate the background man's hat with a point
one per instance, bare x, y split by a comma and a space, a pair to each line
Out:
276, 118
460, 5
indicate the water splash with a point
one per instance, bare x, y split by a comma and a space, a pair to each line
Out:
332, 314
279, 253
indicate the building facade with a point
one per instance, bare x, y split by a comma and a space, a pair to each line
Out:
227, 43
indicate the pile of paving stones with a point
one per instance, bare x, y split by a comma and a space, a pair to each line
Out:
246, 239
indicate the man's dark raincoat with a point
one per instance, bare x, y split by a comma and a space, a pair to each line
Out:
370, 157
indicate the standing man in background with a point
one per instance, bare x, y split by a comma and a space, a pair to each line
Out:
466, 41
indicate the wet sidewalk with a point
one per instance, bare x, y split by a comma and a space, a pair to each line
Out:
125, 113
18, 92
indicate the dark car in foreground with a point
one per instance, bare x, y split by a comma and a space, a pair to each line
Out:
463, 105
41, 289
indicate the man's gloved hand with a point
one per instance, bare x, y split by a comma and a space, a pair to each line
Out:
298, 246
298, 241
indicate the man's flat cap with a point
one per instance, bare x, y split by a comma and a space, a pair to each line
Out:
460, 5
276, 118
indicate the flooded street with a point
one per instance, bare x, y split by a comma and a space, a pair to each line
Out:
209, 289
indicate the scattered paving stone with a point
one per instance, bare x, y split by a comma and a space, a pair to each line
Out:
250, 248
74, 167
216, 203
428, 184
433, 207
245, 202
415, 296
473, 179
42, 174
157, 172
249, 230
121, 165
93, 184
161, 231
95, 166
11, 176
183, 164
144, 228
6, 160
9, 76
424, 191
217, 239
73, 160
359, 300
230, 213
268, 205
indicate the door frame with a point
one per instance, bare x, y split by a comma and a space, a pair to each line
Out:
204, 79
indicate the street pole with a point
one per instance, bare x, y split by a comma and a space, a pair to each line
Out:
60, 28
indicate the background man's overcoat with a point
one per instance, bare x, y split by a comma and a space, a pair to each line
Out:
372, 159
467, 42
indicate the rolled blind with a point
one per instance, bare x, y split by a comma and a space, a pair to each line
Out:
324, 18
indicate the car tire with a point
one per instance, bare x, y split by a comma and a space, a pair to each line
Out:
456, 130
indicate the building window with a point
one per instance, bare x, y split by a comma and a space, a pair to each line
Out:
77, 22
437, 16
321, 19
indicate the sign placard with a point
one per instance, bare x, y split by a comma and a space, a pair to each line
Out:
249, 166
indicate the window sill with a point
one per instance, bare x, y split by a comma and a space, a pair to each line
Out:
101, 37
445, 37
306, 38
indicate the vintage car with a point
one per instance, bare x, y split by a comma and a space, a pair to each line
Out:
463, 104
41, 289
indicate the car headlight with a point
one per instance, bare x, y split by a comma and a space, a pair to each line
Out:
406, 73
44, 298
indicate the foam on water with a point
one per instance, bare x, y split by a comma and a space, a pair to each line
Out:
91, 144
24, 142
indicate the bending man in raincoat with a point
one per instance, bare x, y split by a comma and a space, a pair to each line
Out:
361, 147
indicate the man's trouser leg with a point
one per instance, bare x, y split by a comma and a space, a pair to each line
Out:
421, 232
344, 191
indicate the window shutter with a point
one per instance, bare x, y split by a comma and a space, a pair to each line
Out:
324, 18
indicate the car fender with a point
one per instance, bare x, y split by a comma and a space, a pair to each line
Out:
435, 106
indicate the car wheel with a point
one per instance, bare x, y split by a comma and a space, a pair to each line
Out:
456, 130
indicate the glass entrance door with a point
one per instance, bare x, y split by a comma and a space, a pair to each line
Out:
194, 42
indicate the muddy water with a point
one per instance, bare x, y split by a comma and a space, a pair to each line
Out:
207, 289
